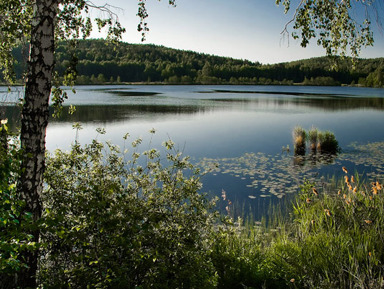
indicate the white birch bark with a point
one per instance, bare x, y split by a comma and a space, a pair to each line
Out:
35, 120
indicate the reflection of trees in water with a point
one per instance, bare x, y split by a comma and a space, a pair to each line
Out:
112, 113
346, 103
328, 103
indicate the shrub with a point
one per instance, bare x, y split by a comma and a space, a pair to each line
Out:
113, 222
14, 222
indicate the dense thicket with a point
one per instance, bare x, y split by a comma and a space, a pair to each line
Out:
98, 62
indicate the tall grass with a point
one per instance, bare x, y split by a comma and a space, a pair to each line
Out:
327, 143
322, 142
312, 138
333, 239
299, 140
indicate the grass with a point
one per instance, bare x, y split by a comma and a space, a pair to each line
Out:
312, 138
322, 142
299, 140
327, 143
332, 239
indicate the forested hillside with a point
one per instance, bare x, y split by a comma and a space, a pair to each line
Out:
98, 62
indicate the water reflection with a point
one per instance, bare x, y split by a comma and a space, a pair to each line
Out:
326, 104
241, 132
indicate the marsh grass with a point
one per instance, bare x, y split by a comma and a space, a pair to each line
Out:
318, 141
312, 138
333, 238
337, 236
299, 140
327, 143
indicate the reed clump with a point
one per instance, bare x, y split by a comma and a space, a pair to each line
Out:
327, 143
312, 138
318, 141
299, 139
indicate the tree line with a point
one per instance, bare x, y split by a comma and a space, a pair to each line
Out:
98, 62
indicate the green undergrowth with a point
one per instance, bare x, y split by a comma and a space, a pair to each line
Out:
332, 239
134, 218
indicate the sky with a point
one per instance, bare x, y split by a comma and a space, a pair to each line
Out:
241, 29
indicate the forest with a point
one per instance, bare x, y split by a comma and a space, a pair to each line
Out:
100, 62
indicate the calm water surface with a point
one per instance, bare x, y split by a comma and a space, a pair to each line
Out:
242, 129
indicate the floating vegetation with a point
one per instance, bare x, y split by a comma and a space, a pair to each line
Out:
282, 174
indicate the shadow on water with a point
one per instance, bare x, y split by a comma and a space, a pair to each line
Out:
281, 93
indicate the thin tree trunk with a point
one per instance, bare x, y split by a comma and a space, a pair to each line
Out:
34, 123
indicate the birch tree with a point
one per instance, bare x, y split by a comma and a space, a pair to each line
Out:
41, 23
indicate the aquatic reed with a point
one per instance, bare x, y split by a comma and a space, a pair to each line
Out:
327, 143
312, 138
323, 142
299, 139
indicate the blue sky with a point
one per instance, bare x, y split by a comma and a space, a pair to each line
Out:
243, 29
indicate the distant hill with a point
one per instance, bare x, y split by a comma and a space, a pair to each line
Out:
98, 62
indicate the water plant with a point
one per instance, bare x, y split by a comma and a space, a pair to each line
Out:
327, 143
312, 138
323, 142
299, 140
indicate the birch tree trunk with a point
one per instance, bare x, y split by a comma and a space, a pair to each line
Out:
34, 123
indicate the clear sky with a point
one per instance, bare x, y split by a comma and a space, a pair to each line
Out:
243, 29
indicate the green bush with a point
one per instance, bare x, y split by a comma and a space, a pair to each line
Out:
14, 222
113, 222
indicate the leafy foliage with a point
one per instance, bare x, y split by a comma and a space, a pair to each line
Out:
14, 223
330, 21
113, 222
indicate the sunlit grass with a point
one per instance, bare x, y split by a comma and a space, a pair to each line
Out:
299, 140
312, 138
333, 239
332, 235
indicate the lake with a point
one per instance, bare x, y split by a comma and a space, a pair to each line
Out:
242, 129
